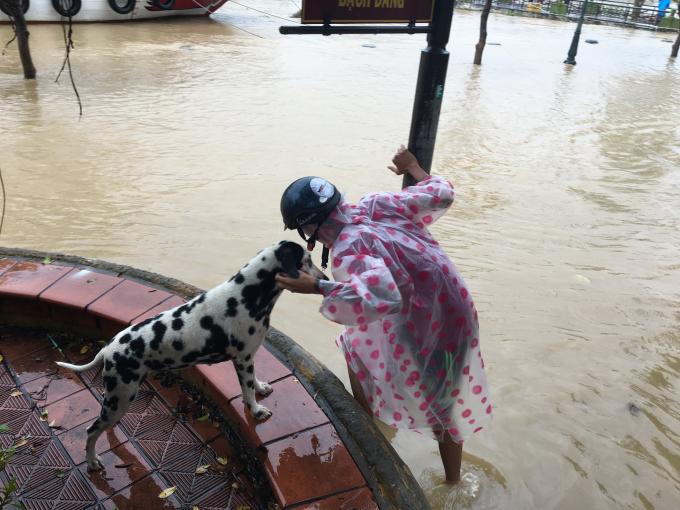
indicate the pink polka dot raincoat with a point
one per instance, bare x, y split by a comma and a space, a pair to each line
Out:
412, 331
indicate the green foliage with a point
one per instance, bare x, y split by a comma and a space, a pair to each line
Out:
6, 500
668, 22
558, 8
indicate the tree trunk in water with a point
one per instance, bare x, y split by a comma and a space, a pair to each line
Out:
16, 9
636, 10
676, 45
479, 48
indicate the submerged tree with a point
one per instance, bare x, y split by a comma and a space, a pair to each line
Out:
15, 10
479, 48
635, 15
676, 45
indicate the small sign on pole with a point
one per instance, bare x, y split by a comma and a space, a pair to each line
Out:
366, 11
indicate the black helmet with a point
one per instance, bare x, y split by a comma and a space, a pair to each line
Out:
309, 200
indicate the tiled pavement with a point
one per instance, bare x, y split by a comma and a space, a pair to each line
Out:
303, 458
153, 447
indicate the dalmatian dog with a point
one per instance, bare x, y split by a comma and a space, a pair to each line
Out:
228, 322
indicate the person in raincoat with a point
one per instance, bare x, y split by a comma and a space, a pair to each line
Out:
412, 333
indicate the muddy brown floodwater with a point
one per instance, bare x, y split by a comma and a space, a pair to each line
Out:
565, 225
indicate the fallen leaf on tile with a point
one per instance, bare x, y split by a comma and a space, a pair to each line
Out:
59, 473
47, 260
91, 280
84, 349
1, 358
167, 492
21, 443
15, 393
202, 469
4, 428
128, 464
243, 507
195, 508
204, 417
236, 486
223, 460
52, 424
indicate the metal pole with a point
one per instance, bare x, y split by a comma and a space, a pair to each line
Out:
571, 56
430, 87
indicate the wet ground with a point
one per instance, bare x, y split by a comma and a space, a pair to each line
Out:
164, 443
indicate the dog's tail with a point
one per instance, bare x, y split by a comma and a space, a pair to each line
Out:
81, 368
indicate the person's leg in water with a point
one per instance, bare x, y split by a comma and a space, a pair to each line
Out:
452, 455
450, 451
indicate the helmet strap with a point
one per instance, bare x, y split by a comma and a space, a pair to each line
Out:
311, 243
324, 257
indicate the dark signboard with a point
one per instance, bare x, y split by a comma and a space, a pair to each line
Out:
367, 11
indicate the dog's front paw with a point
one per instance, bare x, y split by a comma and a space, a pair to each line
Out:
261, 412
95, 464
263, 389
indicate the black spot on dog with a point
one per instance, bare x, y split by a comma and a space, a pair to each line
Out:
125, 338
137, 346
235, 342
111, 403
250, 384
110, 383
179, 311
178, 345
142, 324
216, 344
154, 364
239, 278
96, 424
177, 324
190, 357
108, 365
232, 307
251, 330
239, 367
264, 259
249, 369
258, 296
265, 322
247, 358
159, 330
169, 361
127, 367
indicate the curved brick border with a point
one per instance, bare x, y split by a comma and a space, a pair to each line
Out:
318, 452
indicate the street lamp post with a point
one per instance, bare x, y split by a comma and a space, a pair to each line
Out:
430, 87
571, 56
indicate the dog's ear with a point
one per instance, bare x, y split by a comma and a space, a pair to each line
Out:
290, 255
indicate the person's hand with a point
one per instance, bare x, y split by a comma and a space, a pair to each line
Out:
303, 284
405, 162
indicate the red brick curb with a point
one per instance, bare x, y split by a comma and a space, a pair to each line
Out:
306, 462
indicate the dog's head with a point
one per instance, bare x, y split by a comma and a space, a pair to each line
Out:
291, 258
